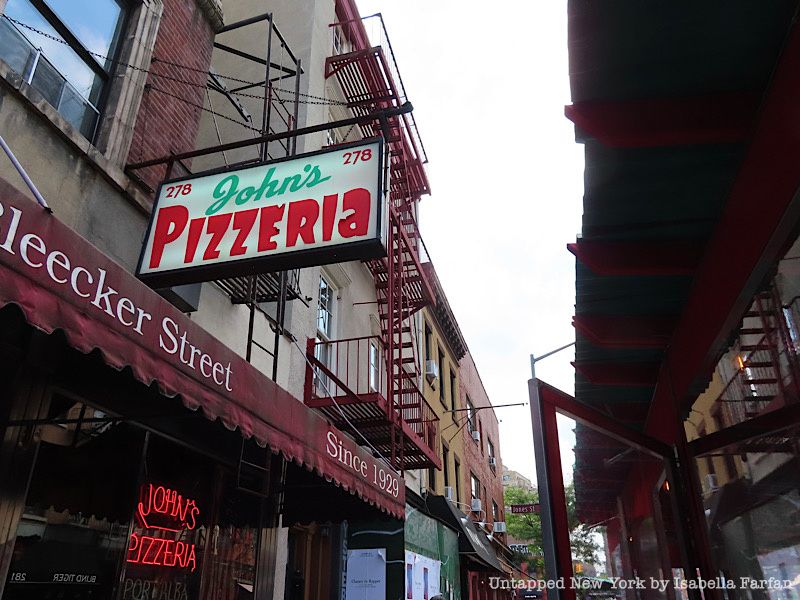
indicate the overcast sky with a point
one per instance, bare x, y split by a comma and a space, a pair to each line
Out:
489, 86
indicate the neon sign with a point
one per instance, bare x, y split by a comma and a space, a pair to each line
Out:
164, 510
147, 550
167, 510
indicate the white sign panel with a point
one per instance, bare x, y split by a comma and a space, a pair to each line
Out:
422, 576
366, 574
311, 209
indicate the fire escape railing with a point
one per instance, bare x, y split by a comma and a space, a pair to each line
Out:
395, 414
347, 380
767, 369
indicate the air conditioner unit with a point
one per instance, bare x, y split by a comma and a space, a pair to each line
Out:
710, 482
431, 371
492, 461
476, 505
499, 527
449, 493
476, 435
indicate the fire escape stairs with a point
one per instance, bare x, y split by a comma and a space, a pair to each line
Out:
402, 289
761, 335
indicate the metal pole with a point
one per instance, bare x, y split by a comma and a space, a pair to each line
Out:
538, 358
252, 320
543, 483
540, 444
274, 137
281, 309
266, 109
22, 173
298, 68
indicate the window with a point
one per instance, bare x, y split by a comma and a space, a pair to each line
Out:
457, 476
446, 465
339, 41
475, 487
453, 390
64, 524
323, 349
332, 135
325, 308
495, 512
470, 416
431, 479
441, 375
492, 458
374, 366
480, 436
428, 342
87, 530
67, 73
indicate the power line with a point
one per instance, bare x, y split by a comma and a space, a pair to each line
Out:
203, 108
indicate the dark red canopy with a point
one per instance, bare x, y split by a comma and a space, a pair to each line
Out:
60, 281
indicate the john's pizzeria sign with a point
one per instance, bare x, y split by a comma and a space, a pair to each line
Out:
309, 210
164, 515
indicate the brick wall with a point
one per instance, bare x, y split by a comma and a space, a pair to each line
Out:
166, 124
476, 454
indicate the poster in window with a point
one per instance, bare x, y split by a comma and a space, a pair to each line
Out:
366, 574
422, 576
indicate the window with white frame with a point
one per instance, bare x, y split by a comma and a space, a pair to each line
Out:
339, 41
325, 325
64, 52
325, 312
374, 366
332, 137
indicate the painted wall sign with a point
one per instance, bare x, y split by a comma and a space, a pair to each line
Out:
161, 512
312, 209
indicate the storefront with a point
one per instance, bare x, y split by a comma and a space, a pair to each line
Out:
141, 458
686, 353
479, 562
432, 561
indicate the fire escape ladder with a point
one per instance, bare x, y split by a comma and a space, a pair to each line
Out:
766, 362
769, 316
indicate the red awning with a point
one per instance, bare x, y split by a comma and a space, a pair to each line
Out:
60, 281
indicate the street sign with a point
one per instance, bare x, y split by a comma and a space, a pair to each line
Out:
525, 509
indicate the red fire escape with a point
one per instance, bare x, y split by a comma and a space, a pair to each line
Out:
369, 385
767, 369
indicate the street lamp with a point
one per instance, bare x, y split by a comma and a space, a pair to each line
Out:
540, 443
